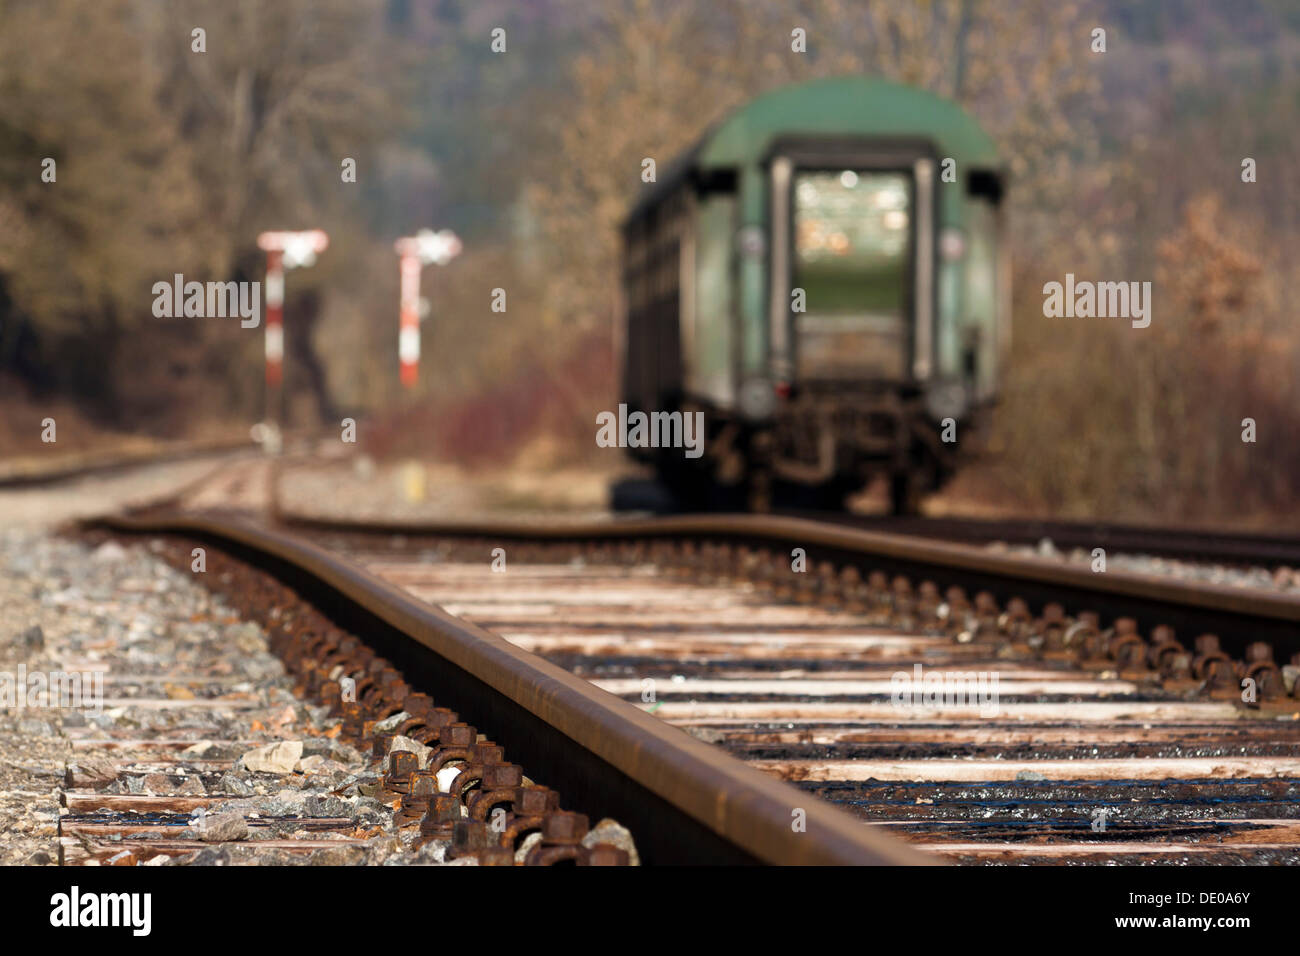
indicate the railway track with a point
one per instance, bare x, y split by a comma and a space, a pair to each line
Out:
680, 799
1071, 724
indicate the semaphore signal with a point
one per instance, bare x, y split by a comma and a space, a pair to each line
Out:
426, 247
284, 250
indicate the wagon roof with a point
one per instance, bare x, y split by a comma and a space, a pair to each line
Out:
837, 106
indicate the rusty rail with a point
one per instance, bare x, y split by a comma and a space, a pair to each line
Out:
1238, 616
684, 801
1193, 544
70, 467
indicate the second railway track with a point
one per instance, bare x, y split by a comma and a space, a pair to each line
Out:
1258, 549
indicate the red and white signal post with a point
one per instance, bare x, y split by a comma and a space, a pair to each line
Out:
284, 250
424, 248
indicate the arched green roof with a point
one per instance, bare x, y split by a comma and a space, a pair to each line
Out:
847, 106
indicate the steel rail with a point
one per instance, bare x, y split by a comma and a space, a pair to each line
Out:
1202, 544
71, 467
684, 801
1239, 616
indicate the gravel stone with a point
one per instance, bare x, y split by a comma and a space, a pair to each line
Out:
1259, 578
279, 758
612, 832
222, 828
389, 724
410, 746
32, 639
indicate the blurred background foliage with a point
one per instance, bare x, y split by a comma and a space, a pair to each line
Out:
1124, 165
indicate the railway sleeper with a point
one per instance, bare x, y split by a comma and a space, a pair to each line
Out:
897, 602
